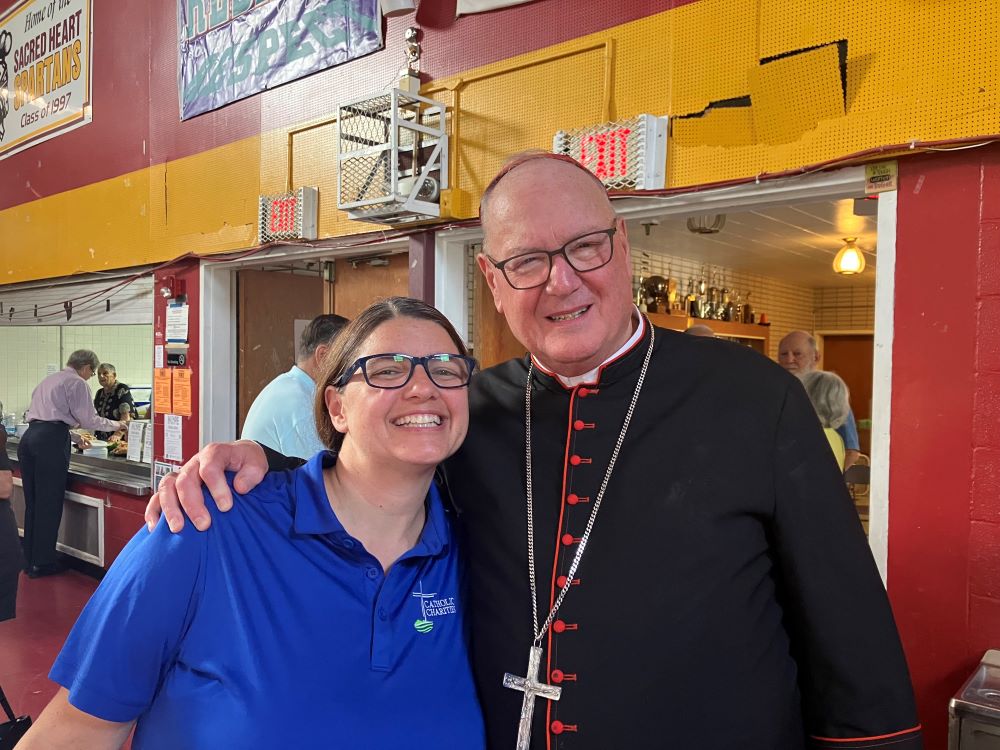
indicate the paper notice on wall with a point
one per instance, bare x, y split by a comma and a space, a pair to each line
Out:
177, 324
160, 470
51, 369
172, 437
147, 444
182, 392
136, 432
162, 402
465, 7
158, 356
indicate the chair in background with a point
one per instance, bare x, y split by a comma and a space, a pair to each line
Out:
858, 479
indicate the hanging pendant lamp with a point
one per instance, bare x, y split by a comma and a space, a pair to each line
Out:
850, 260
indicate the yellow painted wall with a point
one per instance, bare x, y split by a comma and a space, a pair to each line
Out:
916, 71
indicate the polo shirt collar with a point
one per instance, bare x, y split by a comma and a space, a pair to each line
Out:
302, 376
313, 514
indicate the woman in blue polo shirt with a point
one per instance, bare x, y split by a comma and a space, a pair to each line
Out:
323, 611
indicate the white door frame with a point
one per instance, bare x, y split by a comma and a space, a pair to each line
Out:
218, 328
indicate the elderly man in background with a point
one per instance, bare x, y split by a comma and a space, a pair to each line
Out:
59, 402
700, 329
281, 416
799, 354
113, 400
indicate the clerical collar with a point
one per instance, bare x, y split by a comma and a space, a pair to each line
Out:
593, 375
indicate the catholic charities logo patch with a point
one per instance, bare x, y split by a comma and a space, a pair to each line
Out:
432, 606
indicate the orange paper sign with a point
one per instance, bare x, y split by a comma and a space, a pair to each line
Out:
162, 402
182, 392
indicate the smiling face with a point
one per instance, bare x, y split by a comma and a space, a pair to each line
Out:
574, 321
416, 426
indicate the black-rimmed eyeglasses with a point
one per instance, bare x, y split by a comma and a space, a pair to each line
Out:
588, 252
395, 370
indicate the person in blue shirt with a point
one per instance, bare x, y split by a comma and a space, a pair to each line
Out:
281, 415
325, 610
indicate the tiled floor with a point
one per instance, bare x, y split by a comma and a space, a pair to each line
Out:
46, 610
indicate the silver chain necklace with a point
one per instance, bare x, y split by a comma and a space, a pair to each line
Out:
530, 684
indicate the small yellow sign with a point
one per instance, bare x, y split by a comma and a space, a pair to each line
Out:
881, 177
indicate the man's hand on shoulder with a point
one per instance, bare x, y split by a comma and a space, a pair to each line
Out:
180, 492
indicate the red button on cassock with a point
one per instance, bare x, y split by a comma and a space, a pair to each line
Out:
557, 676
572, 498
575, 460
579, 424
583, 392
558, 626
567, 539
556, 727
561, 581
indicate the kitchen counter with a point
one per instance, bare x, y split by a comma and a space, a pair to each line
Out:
113, 473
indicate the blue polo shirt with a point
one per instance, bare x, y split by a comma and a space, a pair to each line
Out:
277, 629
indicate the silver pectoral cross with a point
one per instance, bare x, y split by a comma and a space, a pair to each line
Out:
532, 688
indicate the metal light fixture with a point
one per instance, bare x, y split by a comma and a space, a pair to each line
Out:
850, 260
700, 225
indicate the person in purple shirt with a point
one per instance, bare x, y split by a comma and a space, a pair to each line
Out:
61, 401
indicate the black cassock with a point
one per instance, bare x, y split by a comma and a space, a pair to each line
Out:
727, 598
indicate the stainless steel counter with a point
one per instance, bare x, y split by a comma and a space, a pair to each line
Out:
974, 712
113, 473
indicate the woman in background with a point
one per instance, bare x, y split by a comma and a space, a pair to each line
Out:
831, 400
114, 399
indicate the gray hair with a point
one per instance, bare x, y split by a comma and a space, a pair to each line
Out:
81, 358
321, 330
107, 367
810, 339
829, 396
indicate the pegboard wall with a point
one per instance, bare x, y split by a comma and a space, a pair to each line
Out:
751, 86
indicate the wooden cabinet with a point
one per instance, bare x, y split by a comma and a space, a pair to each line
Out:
755, 336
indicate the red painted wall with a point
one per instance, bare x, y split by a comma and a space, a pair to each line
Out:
944, 525
113, 143
186, 273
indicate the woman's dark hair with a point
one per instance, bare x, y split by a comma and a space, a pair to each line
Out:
344, 351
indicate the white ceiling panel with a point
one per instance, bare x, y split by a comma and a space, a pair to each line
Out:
795, 243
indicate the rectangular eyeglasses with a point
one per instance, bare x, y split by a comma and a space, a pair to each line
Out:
395, 370
588, 252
